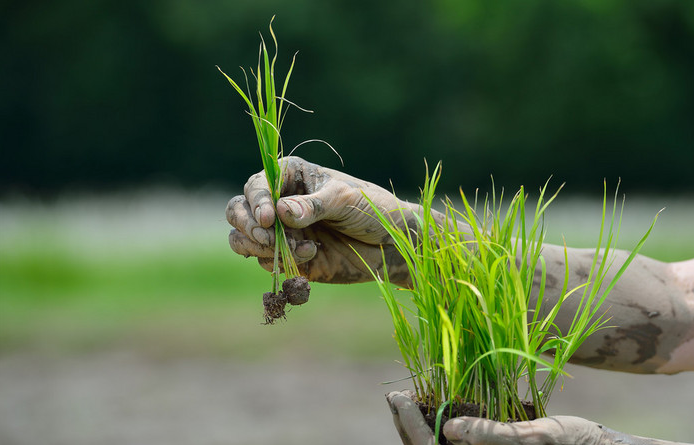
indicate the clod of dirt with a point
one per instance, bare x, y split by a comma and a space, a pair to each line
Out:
274, 306
296, 290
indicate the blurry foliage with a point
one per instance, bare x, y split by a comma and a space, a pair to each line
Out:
110, 93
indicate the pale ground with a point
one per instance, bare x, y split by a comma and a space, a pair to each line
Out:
121, 398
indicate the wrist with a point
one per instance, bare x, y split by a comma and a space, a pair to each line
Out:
682, 355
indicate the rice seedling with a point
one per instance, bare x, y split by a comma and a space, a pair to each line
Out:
476, 322
268, 115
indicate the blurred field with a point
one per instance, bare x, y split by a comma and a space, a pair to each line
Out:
155, 270
126, 318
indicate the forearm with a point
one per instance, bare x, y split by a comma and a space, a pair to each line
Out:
651, 312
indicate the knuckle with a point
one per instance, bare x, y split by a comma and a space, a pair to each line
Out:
236, 242
294, 163
292, 160
232, 205
252, 181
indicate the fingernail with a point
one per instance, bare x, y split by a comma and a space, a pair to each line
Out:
295, 209
264, 214
261, 236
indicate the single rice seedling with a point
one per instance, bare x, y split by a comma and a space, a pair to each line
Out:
476, 322
267, 114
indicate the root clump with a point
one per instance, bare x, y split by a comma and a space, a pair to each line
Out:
295, 291
274, 306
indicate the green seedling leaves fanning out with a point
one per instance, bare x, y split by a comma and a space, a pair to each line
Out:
471, 329
267, 113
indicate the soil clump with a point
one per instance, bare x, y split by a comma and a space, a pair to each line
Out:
295, 291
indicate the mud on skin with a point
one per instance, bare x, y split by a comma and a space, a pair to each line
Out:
465, 410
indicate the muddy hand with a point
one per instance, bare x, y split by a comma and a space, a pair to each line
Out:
475, 431
409, 421
326, 216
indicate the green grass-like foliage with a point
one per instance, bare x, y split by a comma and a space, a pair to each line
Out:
472, 328
268, 114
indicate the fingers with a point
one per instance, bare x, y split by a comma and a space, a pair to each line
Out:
260, 205
302, 250
240, 217
334, 201
544, 431
300, 211
294, 170
245, 246
311, 194
408, 420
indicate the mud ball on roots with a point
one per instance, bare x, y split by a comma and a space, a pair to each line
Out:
296, 290
274, 306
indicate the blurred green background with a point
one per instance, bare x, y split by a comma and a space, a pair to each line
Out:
125, 317
112, 93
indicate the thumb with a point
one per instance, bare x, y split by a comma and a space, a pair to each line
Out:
331, 202
300, 211
408, 419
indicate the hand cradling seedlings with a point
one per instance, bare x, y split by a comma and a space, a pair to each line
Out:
472, 328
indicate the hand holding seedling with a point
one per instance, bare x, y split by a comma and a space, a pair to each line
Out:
326, 216
554, 430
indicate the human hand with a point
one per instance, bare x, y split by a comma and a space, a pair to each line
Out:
555, 430
326, 216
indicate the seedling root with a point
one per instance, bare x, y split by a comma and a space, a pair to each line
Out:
295, 291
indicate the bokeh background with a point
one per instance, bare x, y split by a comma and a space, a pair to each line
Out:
124, 316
